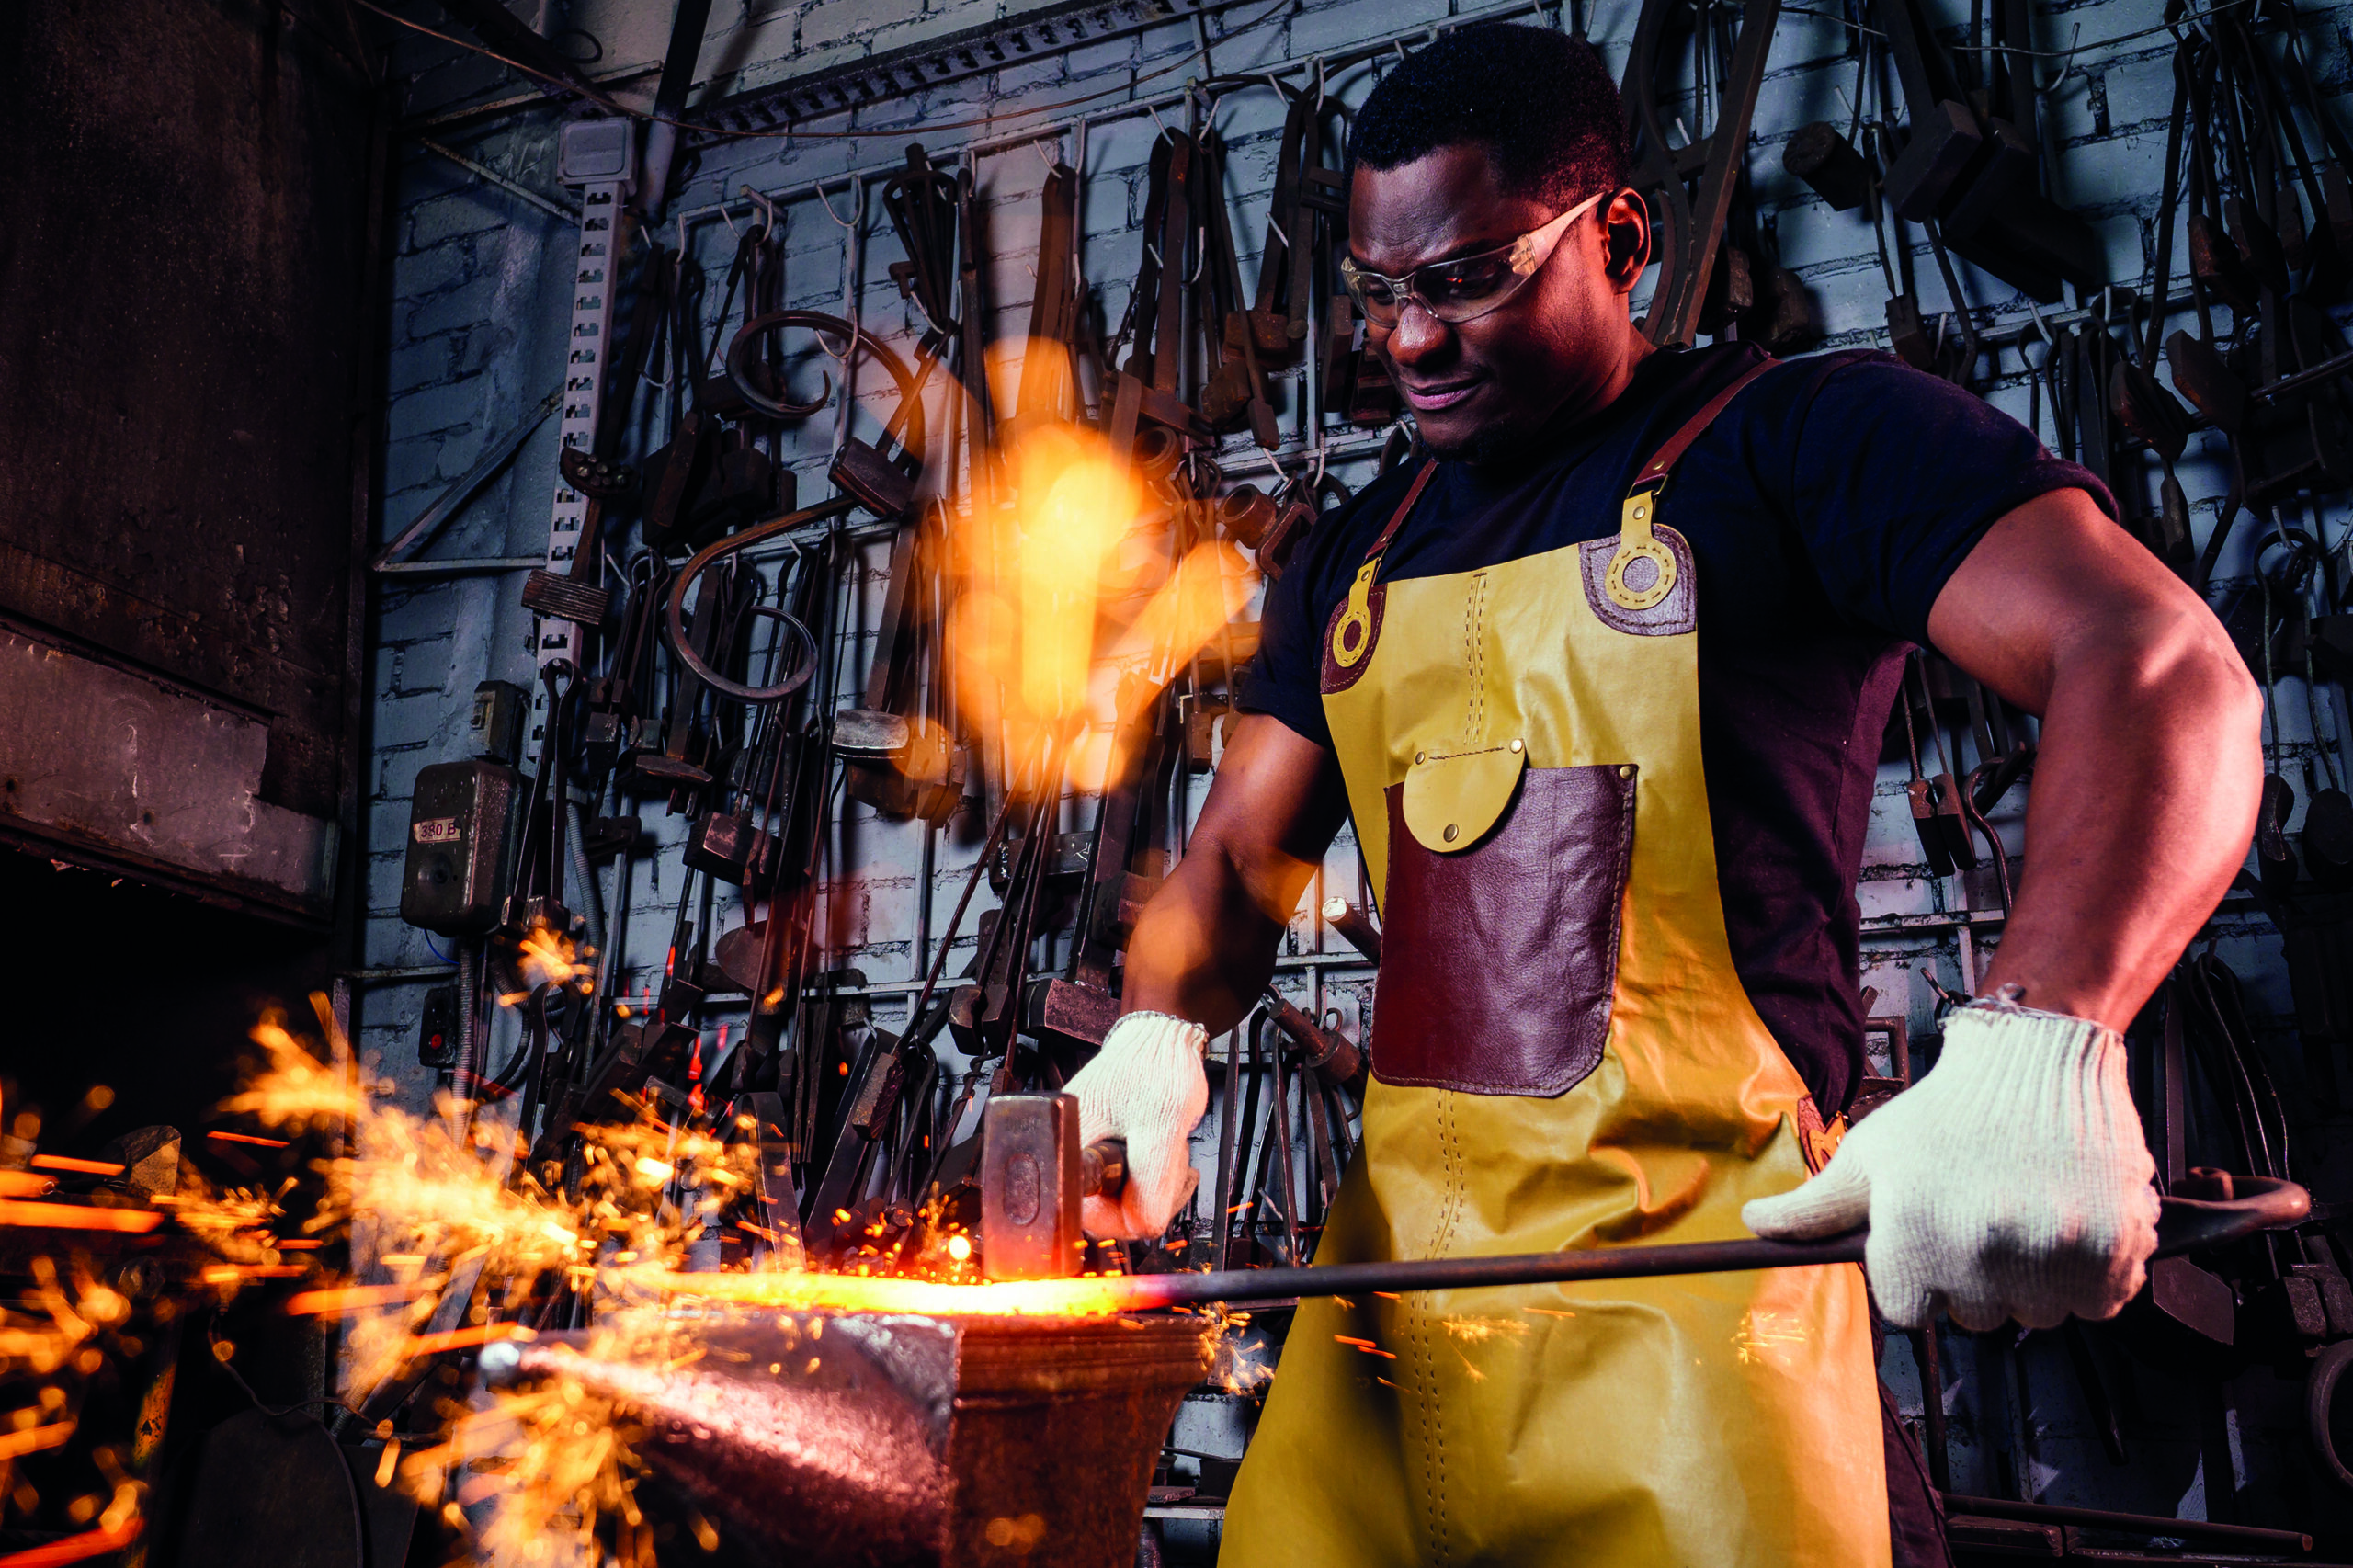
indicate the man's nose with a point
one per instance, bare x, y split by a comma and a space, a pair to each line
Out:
1418, 335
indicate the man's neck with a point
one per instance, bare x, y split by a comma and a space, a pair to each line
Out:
1578, 408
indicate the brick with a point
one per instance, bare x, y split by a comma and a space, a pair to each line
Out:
831, 21
431, 409
469, 305
442, 218
1803, 44
427, 718
938, 23
395, 771
430, 270
480, 348
413, 365
1258, 49
415, 615
409, 465
2140, 92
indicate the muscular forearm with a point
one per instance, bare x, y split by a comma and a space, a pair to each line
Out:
1205, 945
1203, 948
2142, 804
2145, 787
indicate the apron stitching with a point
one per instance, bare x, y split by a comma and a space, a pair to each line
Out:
1474, 662
1450, 1158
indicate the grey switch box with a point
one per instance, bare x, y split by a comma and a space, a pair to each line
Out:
460, 847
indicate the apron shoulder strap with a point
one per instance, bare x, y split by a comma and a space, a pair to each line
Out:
1653, 472
1662, 462
1397, 519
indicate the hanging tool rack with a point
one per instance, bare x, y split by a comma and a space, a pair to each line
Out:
797, 949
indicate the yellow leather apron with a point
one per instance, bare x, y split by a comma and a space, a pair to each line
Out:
1564, 1057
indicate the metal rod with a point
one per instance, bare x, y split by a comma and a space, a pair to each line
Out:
472, 566
552, 208
2186, 1224
2150, 1524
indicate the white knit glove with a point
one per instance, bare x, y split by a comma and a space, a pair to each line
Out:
2012, 1181
1145, 1085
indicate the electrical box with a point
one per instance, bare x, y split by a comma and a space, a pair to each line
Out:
460, 847
496, 722
437, 1029
594, 151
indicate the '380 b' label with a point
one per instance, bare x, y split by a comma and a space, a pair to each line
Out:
436, 830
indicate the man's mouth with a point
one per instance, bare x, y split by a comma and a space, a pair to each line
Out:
1437, 395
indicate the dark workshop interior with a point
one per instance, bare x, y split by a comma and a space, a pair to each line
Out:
712, 712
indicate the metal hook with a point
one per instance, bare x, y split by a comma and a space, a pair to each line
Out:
858, 207
2066, 64
1318, 61
767, 206
2041, 327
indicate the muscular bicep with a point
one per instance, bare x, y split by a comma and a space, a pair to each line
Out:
1272, 811
2051, 580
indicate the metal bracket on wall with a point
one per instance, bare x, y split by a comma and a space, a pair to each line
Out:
598, 158
897, 73
1690, 223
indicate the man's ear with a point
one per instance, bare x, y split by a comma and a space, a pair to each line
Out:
1626, 236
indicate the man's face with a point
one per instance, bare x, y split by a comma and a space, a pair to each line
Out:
1479, 388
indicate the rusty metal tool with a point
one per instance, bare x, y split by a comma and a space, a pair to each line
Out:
1353, 924
1033, 1176
1691, 223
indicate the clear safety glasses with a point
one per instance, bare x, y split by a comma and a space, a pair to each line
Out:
1466, 286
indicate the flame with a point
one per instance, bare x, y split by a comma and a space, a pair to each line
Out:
295, 1089
549, 958
1079, 587
807, 1291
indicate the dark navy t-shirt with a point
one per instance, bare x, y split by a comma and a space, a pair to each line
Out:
1825, 507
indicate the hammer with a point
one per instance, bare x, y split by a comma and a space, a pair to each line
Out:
1033, 1176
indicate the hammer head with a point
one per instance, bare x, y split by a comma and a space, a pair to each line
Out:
1033, 1174
1029, 1187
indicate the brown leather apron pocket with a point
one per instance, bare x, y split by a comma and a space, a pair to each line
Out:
1498, 962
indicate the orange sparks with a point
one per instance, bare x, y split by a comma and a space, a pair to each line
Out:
247, 1138
66, 1163
1367, 1345
23, 1184
465, 1338
229, 1273
298, 1245
34, 1438
349, 1299
77, 1217
76, 1548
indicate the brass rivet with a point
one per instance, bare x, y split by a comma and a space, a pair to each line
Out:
1451, 833
1421, 757
1640, 513
1626, 770
1516, 745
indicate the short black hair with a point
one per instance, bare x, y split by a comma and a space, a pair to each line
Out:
1541, 102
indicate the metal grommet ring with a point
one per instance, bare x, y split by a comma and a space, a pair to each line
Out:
1630, 586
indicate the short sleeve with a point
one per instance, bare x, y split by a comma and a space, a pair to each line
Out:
1897, 474
1285, 680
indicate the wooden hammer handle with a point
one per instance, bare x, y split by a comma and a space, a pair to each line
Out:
1103, 1168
